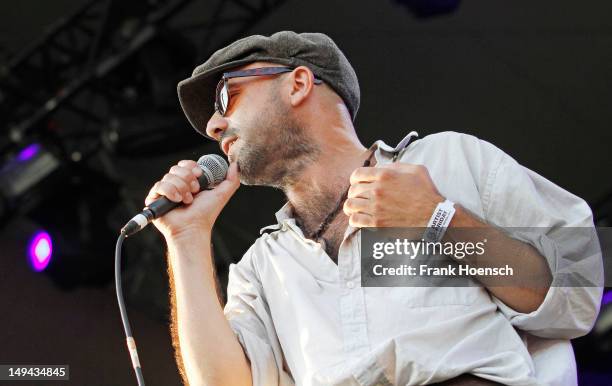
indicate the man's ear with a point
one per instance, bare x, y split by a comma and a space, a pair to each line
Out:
302, 80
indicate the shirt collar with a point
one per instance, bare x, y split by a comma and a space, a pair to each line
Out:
284, 217
400, 146
284, 213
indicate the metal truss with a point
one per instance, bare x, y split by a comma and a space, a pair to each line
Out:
45, 75
90, 44
64, 80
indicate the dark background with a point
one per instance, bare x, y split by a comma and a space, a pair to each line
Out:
534, 78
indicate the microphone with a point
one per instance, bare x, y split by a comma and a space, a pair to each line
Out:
214, 168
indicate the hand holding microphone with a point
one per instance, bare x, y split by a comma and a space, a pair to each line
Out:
180, 201
195, 209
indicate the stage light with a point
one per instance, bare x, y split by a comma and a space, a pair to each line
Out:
26, 178
28, 152
40, 250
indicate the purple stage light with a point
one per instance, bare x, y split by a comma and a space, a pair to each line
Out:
40, 250
28, 152
607, 298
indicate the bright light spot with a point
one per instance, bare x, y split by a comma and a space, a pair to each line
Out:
40, 251
28, 152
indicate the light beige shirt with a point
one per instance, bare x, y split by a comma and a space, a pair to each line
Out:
304, 320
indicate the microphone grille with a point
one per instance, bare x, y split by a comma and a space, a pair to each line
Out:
214, 168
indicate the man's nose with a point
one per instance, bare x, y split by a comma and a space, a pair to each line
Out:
216, 126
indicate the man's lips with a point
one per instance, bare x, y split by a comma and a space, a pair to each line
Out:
227, 143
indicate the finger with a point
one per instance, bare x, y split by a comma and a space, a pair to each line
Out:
195, 169
152, 195
365, 174
361, 220
166, 189
188, 176
228, 186
183, 172
360, 189
233, 174
187, 163
401, 165
181, 186
355, 205
232, 179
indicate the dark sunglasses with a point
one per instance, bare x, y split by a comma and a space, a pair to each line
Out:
222, 95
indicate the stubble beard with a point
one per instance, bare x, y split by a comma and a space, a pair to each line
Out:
276, 150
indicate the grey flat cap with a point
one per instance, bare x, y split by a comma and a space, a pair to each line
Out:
316, 51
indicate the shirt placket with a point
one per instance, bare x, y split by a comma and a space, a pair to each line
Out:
352, 302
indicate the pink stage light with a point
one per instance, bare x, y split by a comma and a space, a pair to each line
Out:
40, 251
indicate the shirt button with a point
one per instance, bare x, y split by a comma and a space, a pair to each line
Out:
350, 284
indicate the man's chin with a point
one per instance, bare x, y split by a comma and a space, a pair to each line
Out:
244, 180
256, 175
255, 181
245, 177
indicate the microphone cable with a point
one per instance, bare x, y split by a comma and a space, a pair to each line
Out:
131, 343
214, 170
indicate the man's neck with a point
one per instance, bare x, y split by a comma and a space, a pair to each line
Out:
322, 184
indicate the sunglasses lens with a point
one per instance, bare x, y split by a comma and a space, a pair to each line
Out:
223, 99
218, 90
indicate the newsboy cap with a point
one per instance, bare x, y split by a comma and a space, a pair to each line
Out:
316, 51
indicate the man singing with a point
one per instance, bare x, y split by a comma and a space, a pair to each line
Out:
282, 108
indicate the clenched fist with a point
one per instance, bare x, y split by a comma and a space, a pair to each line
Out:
393, 195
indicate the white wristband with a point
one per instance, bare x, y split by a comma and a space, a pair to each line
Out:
441, 217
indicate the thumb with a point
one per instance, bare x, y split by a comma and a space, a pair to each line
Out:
232, 179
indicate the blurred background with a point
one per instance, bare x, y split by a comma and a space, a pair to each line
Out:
89, 119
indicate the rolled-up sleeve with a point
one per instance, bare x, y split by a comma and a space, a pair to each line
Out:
249, 316
560, 226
